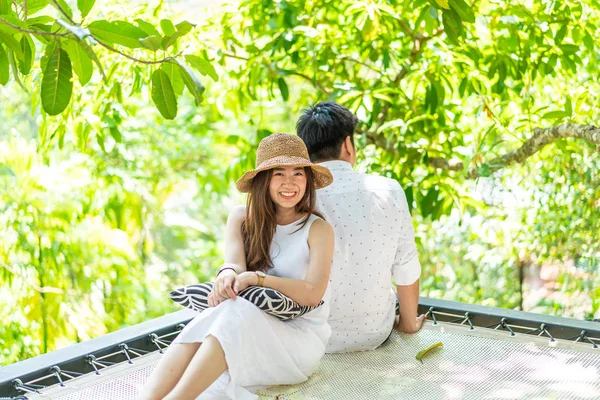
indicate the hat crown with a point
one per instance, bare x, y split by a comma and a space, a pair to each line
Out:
280, 144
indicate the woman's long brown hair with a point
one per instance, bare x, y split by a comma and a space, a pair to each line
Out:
259, 227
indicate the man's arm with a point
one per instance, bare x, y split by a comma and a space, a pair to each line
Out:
408, 297
406, 268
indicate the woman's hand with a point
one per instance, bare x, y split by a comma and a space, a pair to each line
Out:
224, 284
231, 284
214, 299
244, 280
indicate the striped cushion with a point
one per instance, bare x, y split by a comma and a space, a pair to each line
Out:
269, 300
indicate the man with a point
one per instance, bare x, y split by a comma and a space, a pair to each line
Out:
374, 237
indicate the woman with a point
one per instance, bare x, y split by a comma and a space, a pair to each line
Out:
287, 247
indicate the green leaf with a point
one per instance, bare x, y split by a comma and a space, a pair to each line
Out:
33, 6
4, 67
12, 44
434, 96
443, 4
203, 66
15, 70
168, 41
560, 35
369, 29
118, 32
283, 88
409, 193
588, 41
555, 115
147, 27
484, 170
569, 49
5, 7
4, 170
82, 63
167, 27
172, 71
191, 82
182, 29
163, 95
85, 6
41, 20
92, 55
429, 202
151, 43
452, 25
113, 128
28, 48
463, 10
56, 82
116, 134
569, 107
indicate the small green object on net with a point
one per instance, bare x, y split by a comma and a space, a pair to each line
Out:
422, 353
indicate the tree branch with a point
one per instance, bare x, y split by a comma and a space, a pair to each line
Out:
37, 288
541, 137
418, 41
147, 62
101, 43
32, 32
63, 12
305, 77
314, 82
364, 64
448, 165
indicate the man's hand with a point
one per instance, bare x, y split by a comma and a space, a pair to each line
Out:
414, 327
223, 287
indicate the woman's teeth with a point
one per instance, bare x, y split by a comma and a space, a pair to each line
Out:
288, 194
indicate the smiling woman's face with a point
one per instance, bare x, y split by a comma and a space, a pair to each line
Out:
287, 186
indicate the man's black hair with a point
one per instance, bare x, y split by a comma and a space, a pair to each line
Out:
324, 127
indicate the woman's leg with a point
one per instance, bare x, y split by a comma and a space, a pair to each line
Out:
206, 366
169, 370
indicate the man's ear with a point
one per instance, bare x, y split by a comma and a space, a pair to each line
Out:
348, 147
351, 151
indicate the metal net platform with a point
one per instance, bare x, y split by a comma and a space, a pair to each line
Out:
477, 363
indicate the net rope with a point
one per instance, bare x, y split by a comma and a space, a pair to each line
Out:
474, 363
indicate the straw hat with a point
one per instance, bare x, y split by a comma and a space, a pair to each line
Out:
283, 150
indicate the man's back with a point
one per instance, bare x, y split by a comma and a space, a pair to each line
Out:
374, 242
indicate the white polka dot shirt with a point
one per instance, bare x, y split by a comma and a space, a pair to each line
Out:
374, 242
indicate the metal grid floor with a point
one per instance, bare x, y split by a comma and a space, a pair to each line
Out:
478, 364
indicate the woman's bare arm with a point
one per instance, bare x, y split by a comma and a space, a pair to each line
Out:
310, 291
234, 255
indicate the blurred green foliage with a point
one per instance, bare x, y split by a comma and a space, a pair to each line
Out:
123, 194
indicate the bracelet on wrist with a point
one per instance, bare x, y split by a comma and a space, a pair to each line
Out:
225, 268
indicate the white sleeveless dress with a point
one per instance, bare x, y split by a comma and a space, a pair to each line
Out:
261, 350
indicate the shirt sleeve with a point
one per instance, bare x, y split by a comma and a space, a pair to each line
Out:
406, 268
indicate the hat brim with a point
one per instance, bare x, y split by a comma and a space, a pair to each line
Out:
321, 174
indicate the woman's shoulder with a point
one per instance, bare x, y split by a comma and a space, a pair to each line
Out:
319, 229
237, 214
